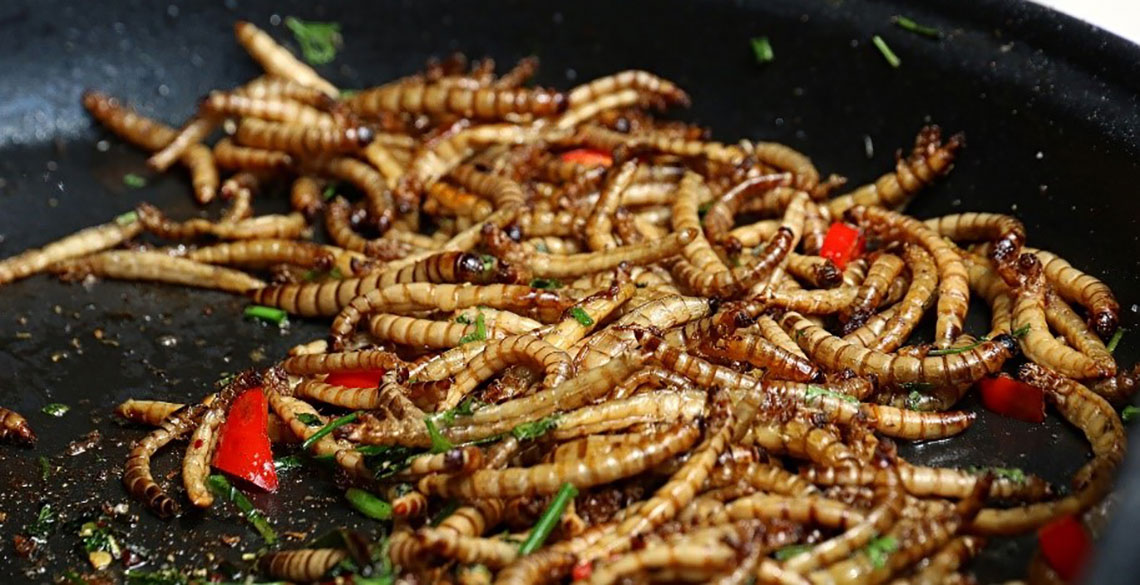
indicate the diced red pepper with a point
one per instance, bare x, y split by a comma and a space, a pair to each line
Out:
1012, 398
1066, 545
582, 571
842, 244
243, 444
588, 157
361, 379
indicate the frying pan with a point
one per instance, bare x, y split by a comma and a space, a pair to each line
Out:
1049, 106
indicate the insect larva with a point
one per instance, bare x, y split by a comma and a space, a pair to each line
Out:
804, 510
306, 564
277, 60
502, 192
424, 332
928, 482
378, 199
194, 132
608, 140
583, 112
458, 201
821, 445
275, 109
231, 156
302, 140
305, 196
15, 428
762, 353
787, 159
387, 162
481, 104
1006, 233
632, 79
80, 243
281, 87
929, 159
883, 271
493, 553
1081, 288
157, 267
263, 253
909, 311
195, 464
599, 226
137, 475
131, 126
814, 270
708, 558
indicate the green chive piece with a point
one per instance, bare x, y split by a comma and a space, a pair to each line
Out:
439, 443
463, 320
480, 333
704, 209
325, 430
45, 468
288, 463
1011, 473
309, 419
536, 429
44, 524
223, 489
56, 409
329, 192
814, 392
1112, 343
1021, 331
581, 316
880, 549
319, 40
348, 93
912, 26
488, 262
127, 218
762, 49
546, 283
549, 519
1130, 413
134, 181
270, 314
448, 509
957, 350
368, 504
892, 59
790, 551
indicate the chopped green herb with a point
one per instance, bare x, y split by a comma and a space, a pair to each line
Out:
223, 489
546, 283
814, 392
480, 333
270, 314
549, 519
956, 350
97, 535
329, 192
790, 551
44, 524
448, 509
463, 320
56, 409
912, 26
915, 400
368, 504
439, 443
225, 380
880, 549
1129, 414
1112, 343
288, 462
541, 246
892, 59
536, 429
387, 460
464, 408
580, 314
325, 430
704, 209
134, 181
762, 49
319, 40
127, 218
333, 274
1021, 331
488, 262
45, 468
1011, 473
348, 93
309, 419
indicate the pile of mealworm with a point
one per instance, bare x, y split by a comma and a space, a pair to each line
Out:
648, 320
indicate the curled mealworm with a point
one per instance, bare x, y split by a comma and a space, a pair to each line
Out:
15, 428
306, 564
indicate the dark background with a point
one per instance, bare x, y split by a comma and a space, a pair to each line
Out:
1048, 104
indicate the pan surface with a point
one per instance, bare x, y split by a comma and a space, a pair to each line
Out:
1049, 106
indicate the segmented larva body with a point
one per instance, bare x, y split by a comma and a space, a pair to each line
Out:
301, 140
277, 60
274, 109
821, 445
925, 482
708, 558
599, 226
306, 564
133, 127
642, 81
263, 253
231, 156
281, 87
918, 298
762, 353
196, 463
883, 271
14, 428
137, 476
814, 270
305, 196
193, 133
435, 99
158, 267
81, 243
608, 140
1006, 233
1081, 288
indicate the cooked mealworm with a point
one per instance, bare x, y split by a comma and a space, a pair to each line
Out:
231, 156
80, 243
939, 482
953, 285
799, 439
456, 460
804, 510
1038, 343
658, 407
195, 465
265, 108
709, 558
1119, 388
762, 353
517, 349
1062, 318
437, 159
482, 104
929, 159
194, 132
580, 113
153, 412
631, 79
909, 311
602, 139
158, 267
815, 271
199, 160
15, 428
882, 272
468, 549
137, 475
263, 253
306, 564
277, 60
264, 226
1006, 232
301, 140
615, 340
130, 125
458, 201
424, 332
281, 87
407, 502
952, 556
568, 265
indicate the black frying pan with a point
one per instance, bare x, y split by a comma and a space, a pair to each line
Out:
1048, 104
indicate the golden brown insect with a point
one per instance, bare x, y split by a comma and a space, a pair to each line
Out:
915, 302
262, 253
1006, 232
871, 292
265, 108
434, 99
157, 267
196, 130
762, 353
599, 226
231, 156
306, 564
1081, 288
277, 60
632, 79
81, 243
137, 475
15, 428
933, 482
301, 140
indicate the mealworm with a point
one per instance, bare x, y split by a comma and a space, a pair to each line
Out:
275, 109
518, 349
1038, 343
262, 253
306, 564
762, 353
468, 549
153, 412
131, 126
946, 561
261, 227
137, 476
599, 225
1061, 317
424, 332
953, 285
924, 279
231, 156
434, 99
193, 133
814, 270
1081, 288
580, 113
282, 87
277, 60
799, 439
870, 294
434, 160
615, 340
15, 428
1119, 388
1006, 233
927, 482
631, 79
569, 265
81, 243
458, 201
929, 159
301, 140
804, 510
195, 464
157, 267
710, 558
657, 407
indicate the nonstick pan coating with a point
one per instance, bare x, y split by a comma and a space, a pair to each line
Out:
1048, 104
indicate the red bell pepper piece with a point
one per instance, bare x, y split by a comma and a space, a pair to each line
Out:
582, 571
243, 445
588, 157
1065, 544
361, 379
1012, 398
842, 244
